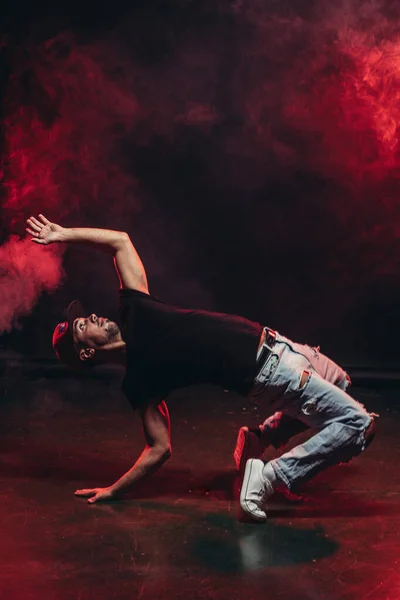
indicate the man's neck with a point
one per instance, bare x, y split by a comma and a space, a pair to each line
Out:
113, 353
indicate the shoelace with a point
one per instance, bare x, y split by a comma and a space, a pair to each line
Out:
265, 492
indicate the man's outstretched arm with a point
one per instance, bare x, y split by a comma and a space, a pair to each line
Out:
156, 428
128, 264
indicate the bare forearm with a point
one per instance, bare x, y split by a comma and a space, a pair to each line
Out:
106, 240
127, 261
149, 461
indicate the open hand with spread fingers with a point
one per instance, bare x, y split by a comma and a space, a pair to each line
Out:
97, 494
43, 231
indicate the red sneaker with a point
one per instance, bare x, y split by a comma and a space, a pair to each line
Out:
248, 445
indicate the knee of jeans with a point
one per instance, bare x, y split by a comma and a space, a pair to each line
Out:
367, 434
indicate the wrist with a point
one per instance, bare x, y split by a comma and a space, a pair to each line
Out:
62, 235
114, 492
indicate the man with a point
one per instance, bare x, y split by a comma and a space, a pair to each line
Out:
164, 348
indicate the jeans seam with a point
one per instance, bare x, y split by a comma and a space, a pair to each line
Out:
279, 473
356, 441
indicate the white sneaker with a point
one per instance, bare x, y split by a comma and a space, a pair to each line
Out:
248, 445
255, 491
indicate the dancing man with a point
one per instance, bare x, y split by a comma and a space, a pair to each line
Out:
164, 348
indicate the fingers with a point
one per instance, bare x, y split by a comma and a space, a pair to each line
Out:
31, 232
44, 220
35, 238
94, 499
85, 493
34, 224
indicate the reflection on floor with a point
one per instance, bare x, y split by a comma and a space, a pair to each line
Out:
177, 535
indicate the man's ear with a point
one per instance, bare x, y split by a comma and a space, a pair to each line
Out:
86, 353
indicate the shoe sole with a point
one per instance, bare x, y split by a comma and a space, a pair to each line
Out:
242, 459
243, 493
245, 453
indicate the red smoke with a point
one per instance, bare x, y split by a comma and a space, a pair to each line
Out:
269, 91
26, 271
321, 93
66, 116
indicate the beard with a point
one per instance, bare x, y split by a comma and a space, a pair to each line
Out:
113, 333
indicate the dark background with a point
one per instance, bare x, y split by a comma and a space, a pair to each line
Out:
250, 149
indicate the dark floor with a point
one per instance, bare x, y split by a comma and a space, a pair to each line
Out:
177, 536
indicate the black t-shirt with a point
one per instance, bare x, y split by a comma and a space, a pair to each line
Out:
168, 348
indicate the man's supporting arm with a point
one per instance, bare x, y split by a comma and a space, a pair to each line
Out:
127, 261
156, 427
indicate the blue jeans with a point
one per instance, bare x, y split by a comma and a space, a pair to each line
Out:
305, 389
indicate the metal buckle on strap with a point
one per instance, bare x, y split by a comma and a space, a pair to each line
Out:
266, 348
270, 338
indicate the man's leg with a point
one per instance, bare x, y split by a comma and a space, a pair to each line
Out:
279, 428
345, 429
276, 431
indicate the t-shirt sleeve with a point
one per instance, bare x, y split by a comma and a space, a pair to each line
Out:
128, 296
139, 398
133, 390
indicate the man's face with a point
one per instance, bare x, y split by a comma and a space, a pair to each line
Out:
95, 332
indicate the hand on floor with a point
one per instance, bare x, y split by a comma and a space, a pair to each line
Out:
96, 494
